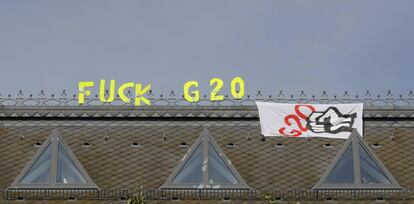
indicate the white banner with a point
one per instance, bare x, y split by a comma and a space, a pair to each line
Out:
310, 120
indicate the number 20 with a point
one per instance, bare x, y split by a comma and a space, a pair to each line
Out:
194, 96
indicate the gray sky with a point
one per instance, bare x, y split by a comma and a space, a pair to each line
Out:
274, 45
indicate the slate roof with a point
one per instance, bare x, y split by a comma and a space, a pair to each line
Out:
160, 132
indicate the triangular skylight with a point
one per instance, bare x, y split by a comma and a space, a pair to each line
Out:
357, 167
53, 166
205, 166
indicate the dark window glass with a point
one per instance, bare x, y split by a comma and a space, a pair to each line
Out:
40, 171
219, 172
66, 168
370, 171
191, 172
344, 169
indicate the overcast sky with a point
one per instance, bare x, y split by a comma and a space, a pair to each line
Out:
353, 45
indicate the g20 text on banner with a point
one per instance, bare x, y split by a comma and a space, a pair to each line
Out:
191, 93
310, 120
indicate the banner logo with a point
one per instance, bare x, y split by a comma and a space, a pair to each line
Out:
319, 120
331, 121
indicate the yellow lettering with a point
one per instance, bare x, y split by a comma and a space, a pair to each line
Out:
121, 91
111, 96
237, 94
193, 96
82, 92
213, 95
139, 93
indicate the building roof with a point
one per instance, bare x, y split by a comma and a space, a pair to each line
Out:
122, 147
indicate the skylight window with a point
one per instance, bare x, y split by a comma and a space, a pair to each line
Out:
205, 166
357, 167
53, 166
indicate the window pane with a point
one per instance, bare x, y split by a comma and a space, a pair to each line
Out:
40, 171
343, 172
66, 169
370, 171
219, 172
191, 172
